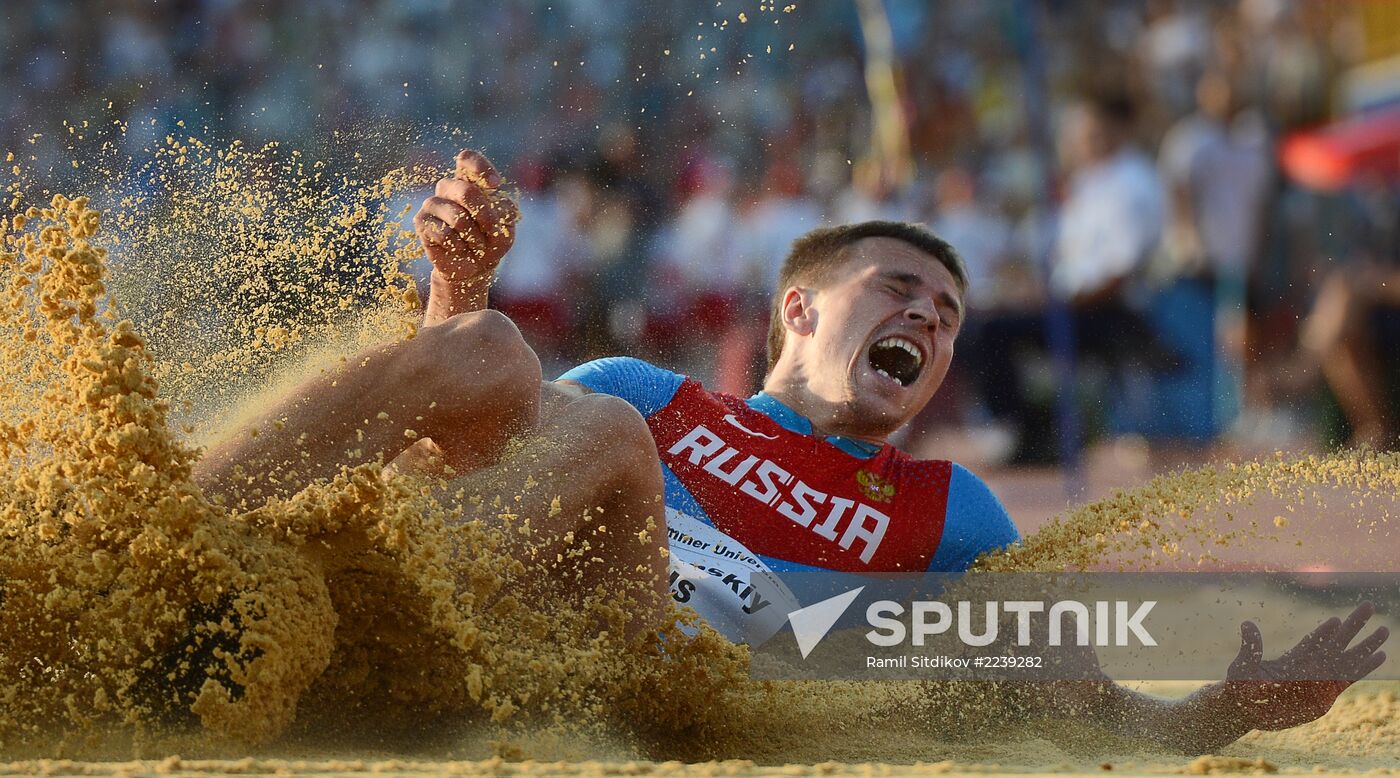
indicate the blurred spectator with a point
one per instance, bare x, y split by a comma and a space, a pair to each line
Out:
982, 236
1109, 226
1176, 42
1356, 315
650, 231
1355, 320
619, 210
535, 287
698, 269
1216, 165
1113, 215
1217, 168
782, 213
874, 193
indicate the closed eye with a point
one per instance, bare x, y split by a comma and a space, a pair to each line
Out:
906, 287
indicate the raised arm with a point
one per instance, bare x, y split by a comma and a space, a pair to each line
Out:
467, 383
466, 227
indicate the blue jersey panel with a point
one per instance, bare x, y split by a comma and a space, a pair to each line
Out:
647, 387
975, 522
678, 498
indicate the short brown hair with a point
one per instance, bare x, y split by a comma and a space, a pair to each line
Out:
814, 257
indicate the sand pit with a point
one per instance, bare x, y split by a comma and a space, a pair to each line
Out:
371, 624
1360, 736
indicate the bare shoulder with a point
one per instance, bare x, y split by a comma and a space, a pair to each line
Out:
565, 388
555, 396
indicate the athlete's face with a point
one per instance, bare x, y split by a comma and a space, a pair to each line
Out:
880, 335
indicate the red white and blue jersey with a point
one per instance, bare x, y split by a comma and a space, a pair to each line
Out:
751, 493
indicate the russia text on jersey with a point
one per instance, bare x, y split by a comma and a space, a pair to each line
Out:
769, 483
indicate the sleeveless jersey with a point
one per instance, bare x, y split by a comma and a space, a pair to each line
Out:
751, 492
777, 496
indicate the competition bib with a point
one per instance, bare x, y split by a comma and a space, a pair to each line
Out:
730, 587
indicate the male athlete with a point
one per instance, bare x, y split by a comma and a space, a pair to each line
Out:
798, 477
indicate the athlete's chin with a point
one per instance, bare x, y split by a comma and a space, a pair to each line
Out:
881, 415
876, 424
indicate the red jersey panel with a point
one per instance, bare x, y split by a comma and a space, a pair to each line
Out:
796, 497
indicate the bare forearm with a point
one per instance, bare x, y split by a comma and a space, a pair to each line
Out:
448, 297
1199, 723
466, 227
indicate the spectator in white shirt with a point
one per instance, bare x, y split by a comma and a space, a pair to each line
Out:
1112, 219
782, 214
1110, 225
1216, 165
697, 272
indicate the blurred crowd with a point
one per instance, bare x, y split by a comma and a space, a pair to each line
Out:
667, 152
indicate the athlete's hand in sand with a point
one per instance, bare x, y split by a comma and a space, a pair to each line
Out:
1295, 688
466, 227
1302, 684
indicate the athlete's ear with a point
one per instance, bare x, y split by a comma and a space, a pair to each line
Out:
798, 314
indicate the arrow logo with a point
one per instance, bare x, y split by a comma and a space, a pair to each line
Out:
810, 624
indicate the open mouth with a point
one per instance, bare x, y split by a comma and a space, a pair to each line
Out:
898, 359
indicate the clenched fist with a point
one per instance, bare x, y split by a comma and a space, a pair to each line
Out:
467, 226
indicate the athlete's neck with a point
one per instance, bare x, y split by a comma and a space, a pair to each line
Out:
826, 420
